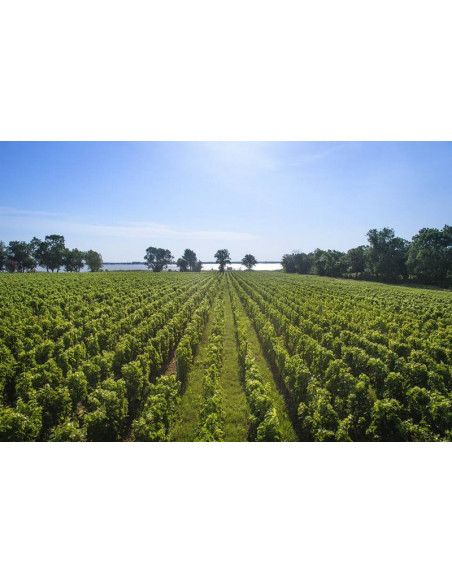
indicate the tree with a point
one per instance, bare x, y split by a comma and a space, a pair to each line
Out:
356, 260
49, 253
191, 259
430, 256
157, 258
37, 249
222, 258
93, 260
73, 260
3, 256
328, 263
249, 261
20, 257
297, 262
183, 264
303, 263
11, 265
189, 262
288, 263
387, 254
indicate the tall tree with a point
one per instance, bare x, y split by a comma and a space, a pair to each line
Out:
157, 258
51, 252
288, 263
387, 254
222, 258
20, 257
182, 264
36, 250
93, 260
328, 263
189, 262
73, 260
191, 259
249, 261
430, 256
303, 262
3, 256
356, 259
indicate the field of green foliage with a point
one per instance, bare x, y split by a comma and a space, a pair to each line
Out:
254, 356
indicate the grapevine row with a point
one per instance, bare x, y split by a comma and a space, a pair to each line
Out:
160, 405
357, 402
96, 396
210, 426
264, 422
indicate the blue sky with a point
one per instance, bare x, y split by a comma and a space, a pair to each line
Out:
265, 198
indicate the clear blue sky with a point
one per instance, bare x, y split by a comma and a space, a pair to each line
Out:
265, 198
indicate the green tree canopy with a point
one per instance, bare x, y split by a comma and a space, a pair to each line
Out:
73, 260
191, 259
3, 256
182, 264
189, 262
20, 257
157, 258
93, 260
356, 259
222, 258
387, 254
297, 262
288, 263
430, 255
249, 261
328, 263
51, 252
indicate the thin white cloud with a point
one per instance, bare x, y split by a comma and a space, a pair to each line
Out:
29, 213
42, 221
314, 156
239, 159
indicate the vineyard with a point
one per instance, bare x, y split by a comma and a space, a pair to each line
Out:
241, 356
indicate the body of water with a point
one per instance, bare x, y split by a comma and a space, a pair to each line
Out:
205, 267
275, 266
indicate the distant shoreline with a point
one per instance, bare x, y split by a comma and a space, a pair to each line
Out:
143, 264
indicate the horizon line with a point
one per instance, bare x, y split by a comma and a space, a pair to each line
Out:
209, 262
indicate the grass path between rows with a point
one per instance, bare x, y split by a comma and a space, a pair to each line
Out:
287, 431
235, 407
184, 427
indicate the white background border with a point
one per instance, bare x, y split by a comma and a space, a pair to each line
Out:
323, 70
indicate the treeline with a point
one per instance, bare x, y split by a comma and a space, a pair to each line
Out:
157, 259
427, 259
51, 254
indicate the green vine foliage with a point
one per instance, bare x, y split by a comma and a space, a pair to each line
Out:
358, 361
83, 356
